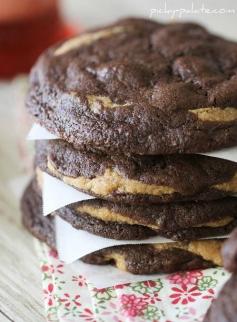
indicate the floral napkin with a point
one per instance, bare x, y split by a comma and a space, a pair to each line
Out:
170, 298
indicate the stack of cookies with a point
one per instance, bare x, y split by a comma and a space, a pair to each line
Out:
134, 104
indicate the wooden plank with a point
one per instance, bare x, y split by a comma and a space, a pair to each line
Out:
20, 291
21, 296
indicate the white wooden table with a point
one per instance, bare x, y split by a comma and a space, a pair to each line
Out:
20, 278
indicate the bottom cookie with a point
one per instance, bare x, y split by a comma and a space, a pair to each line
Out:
38, 225
160, 258
136, 259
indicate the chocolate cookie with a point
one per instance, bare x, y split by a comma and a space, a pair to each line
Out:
160, 258
139, 87
137, 259
140, 179
39, 226
180, 221
224, 308
177, 221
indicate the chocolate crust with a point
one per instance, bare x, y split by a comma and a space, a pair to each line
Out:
191, 177
224, 308
153, 78
39, 226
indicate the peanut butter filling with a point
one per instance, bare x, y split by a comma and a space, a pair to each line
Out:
86, 39
230, 186
111, 182
217, 223
105, 214
216, 114
98, 102
119, 260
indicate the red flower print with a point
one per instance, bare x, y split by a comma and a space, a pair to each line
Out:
185, 278
53, 253
56, 268
152, 298
79, 279
68, 301
75, 300
44, 268
132, 305
210, 295
87, 315
150, 283
52, 268
48, 294
184, 295
121, 286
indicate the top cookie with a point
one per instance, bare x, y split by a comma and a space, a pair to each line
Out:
139, 87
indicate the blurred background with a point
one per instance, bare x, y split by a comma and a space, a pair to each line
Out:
27, 27
90, 13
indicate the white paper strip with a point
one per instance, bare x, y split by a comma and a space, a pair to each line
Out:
38, 132
56, 194
73, 244
102, 276
227, 154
